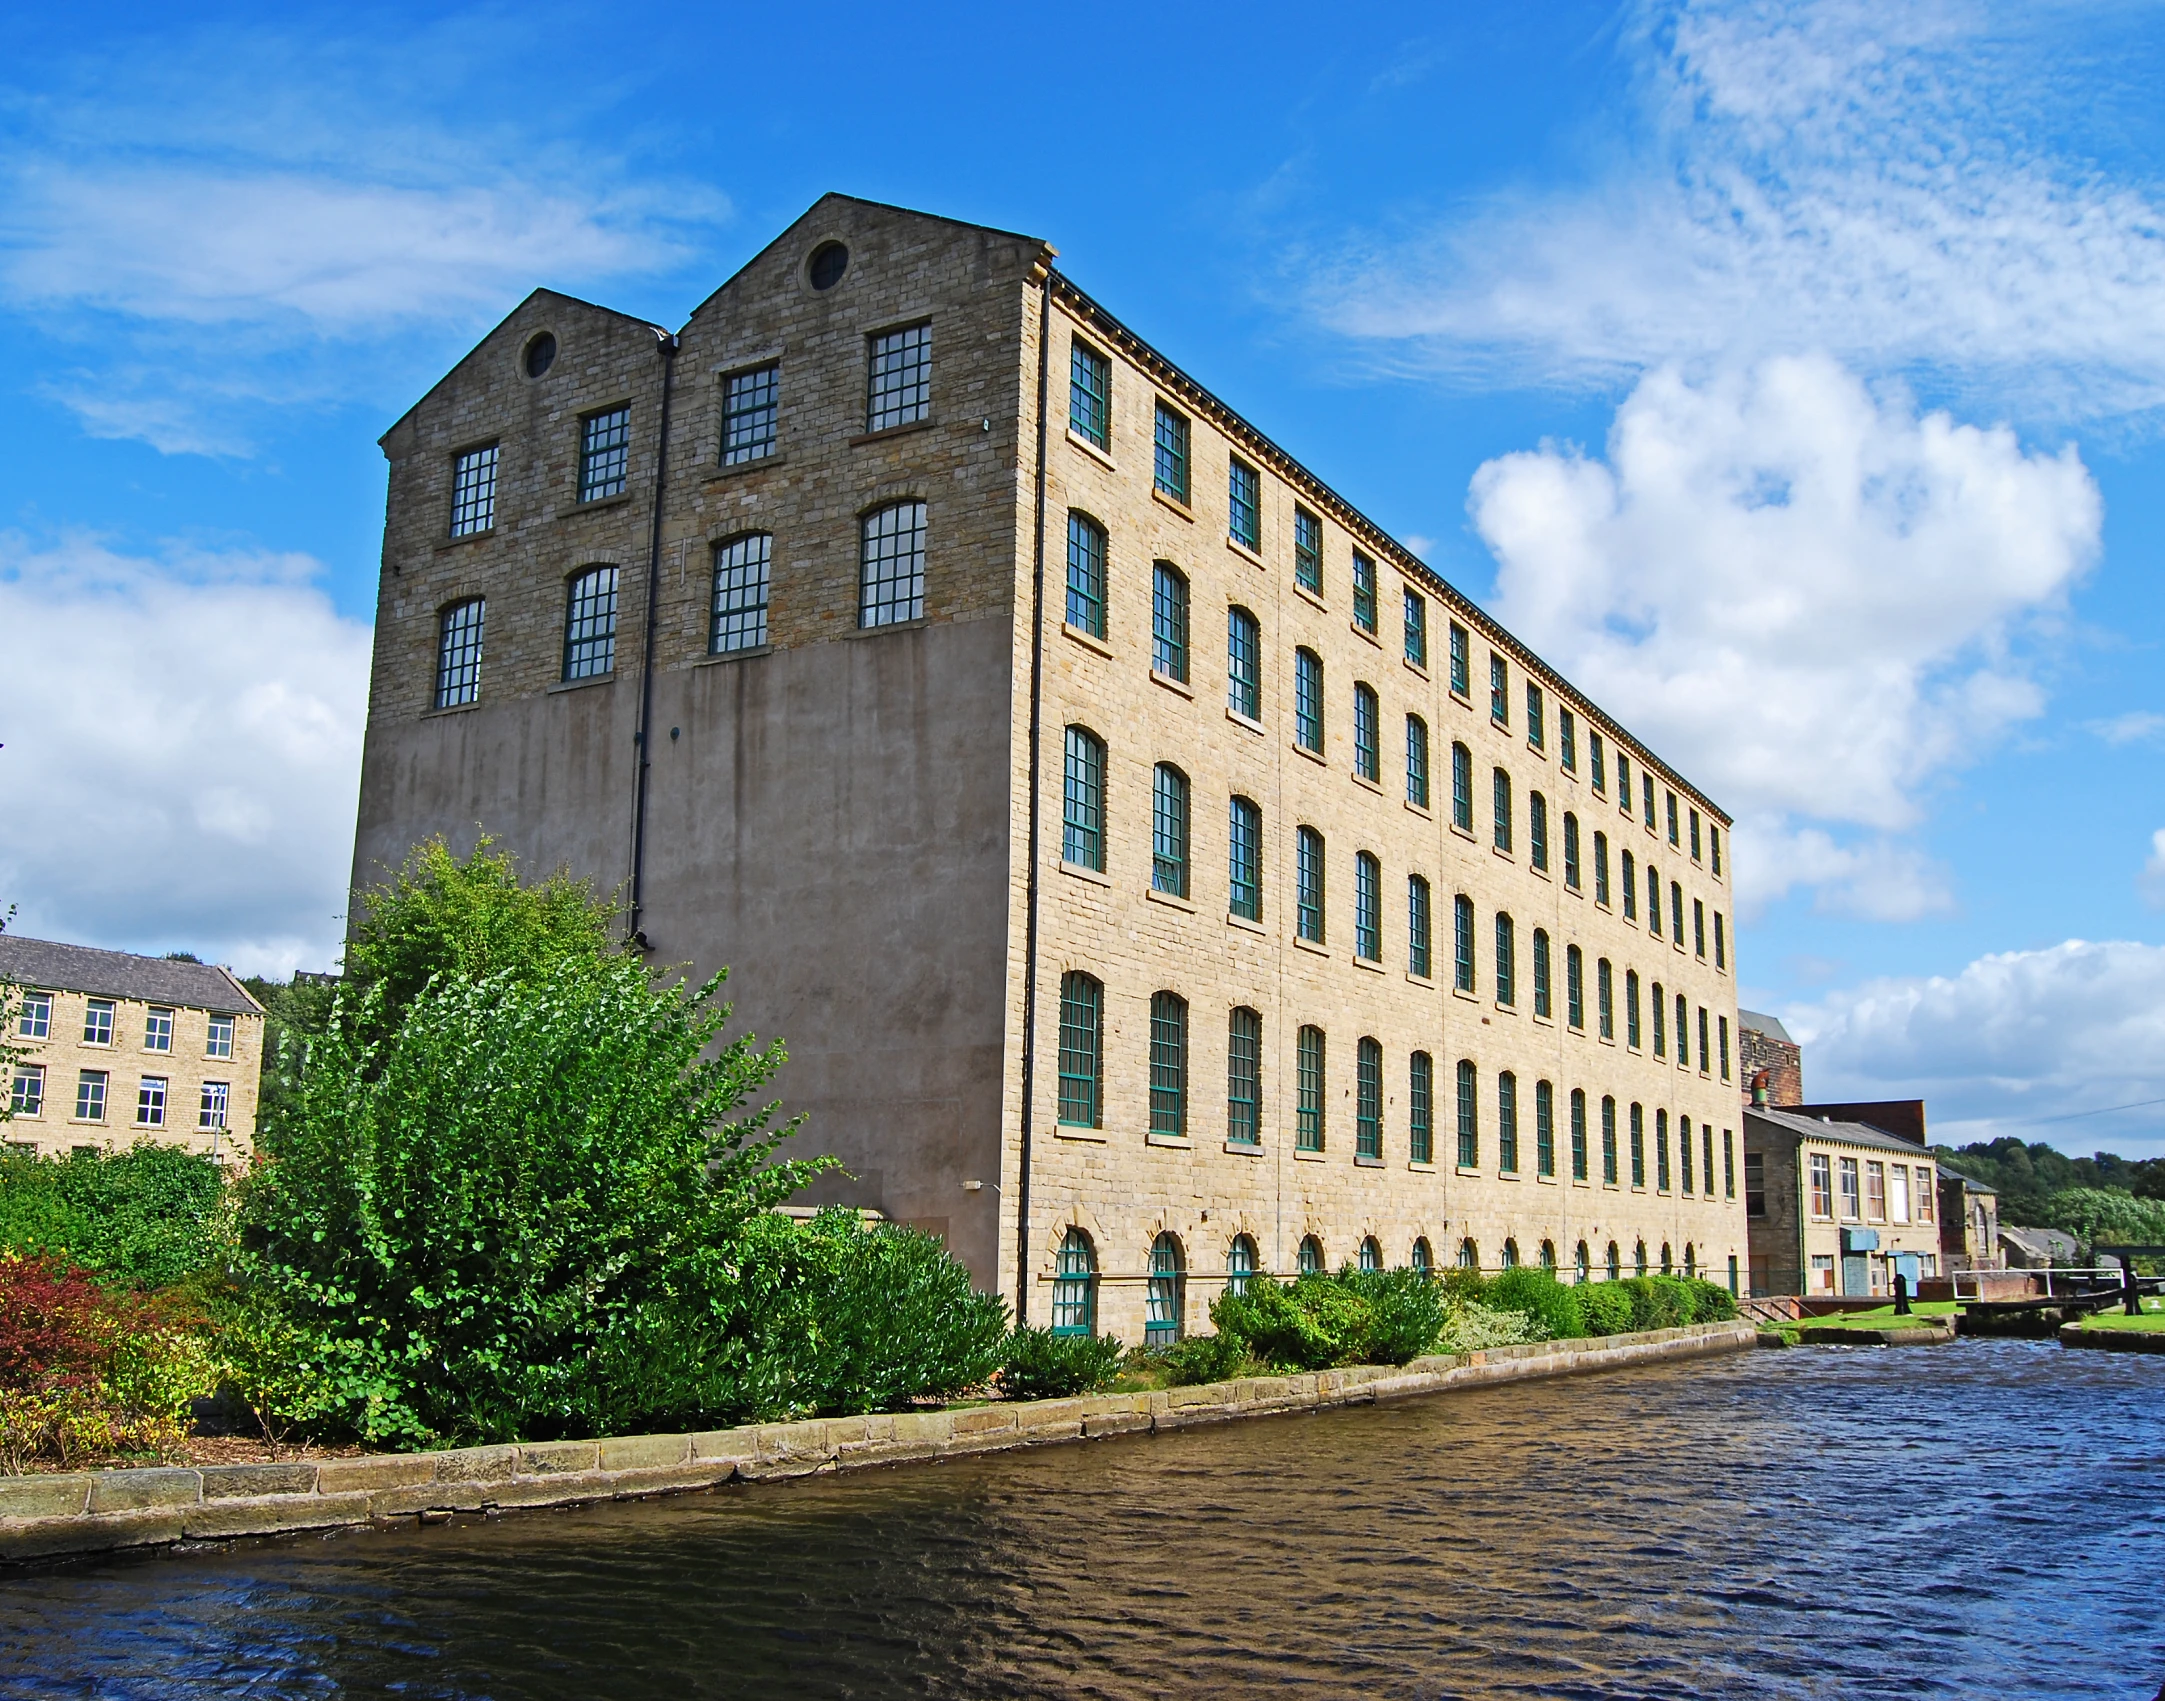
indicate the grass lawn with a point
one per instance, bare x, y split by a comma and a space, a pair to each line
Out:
2151, 1321
1922, 1313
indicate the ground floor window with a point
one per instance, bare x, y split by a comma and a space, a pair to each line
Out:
1822, 1273
1424, 1260
1239, 1264
1510, 1254
1168, 1293
1311, 1256
1469, 1255
1075, 1286
1371, 1254
1616, 1262
1582, 1261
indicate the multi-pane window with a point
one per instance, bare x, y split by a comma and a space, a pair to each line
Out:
150, 1102
1722, 1027
604, 454
1575, 986
1416, 628
26, 1094
1536, 720
1721, 945
1368, 1100
1623, 782
1168, 1063
1601, 868
1683, 1033
900, 390
1308, 700
1638, 1149
1307, 551
1308, 884
1169, 831
1169, 622
1169, 456
1660, 1041
1082, 1050
1507, 1122
1822, 1171
1706, 1152
1661, 1151
1500, 800
1537, 831
1684, 1176
1462, 942
751, 406
1086, 549
1499, 690
1090, 395
1308, 1087
1166, 1297
1714, 846
1461, 661
211, 1112
1240, 1265
1367, 734
458, 654
1608, 1161
1631, 1008
1676, 913
90, 1095
473, 491
1421, 1107
1646, 794
742, 569
1367, 908
1703, 1049
1698, 928
891, 576
1311, 1261
1506, 960
1674, 837
1462, 788
1571, 850
1598, 769
1469, 1114
1567, 740
98, 1021
34, 1016
1244, 504
1075, 1286
1605, 998
590, 624
1544, 1128
1244, 1078
1243, 664
1544, 1006
1755, 1181
1695, 835
1244, 841
1653, 900
157, 1029
1629, 870
1578, 1134
1417, 926
1364, 592
1417, 761
1082, 821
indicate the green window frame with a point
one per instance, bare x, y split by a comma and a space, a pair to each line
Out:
1605, 998
1082, 1050
1367, 908
1544, 1128
1461, 662
1661, 1151
1165, 1300
1169, 622
1698, 928
1537, 831
1243, 664
1536, 717
1308, 1085
1075, 1286
1423, 1256
1729, 1164
1364, 592
1702, 1040
1416, 628
742, 582
1575, 987
1307, 551
1608, 1142
1244, 1077
590, 624
1683, 1042
1168, 1064
1721, 944
1631, 1008
1308, 700
1169, 831
1469, 1254
1675, 838
1623, 783
1578, 1134
1714, 847
1090, 395
1601, 869
1694, 835
1169, 453
1646, 794
1629, 870
1240, 1265
1676, 912
1308, 884
1544, 1006
1469, 1114
1310, 1256
1596, 767
1499, 690
1706, 1153
1686, 1177
1082, 827
1417, 927
1722, 1025
1462, 788
1421, 1107
1507, 1122
1417, 761
1244, 504
1462, 942
1368, 1100
1086, 552
1506, 960
604, 454
1244, 847
1500, 807
1683, 1032
1638, 1145
1367, 734
1571, 851
1370, 1255
1567, 740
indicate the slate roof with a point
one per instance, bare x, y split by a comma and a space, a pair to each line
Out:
54, 967
1771, 1026
1850, 1133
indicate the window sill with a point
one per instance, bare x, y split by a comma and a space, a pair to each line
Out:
1314, 599
453, 709
748, 653
594, 507
1177, 1142
1245, 1148
1499, 723
1310, 946
1374, 965
1315, 756
1464, 699
1360, 1162
1367, 784
1079, 872
1503, 1009
1546, 1180
1302, 1155
1466, 993
1538, 872
1499, 850
1243, 923
1253, 557
1179, 687
1541, 1021
1573, 887
1171, 900
1160, 495
1465, 833
757, 464
1537, 750
465, 538
1360, 631
885, 627
1102, 456
1510, 1175
1068, 1131
886, 431
1466, 1169
1088, 640
1420, 809
581, 684
1426, 982
1421, 1168
1241, 720
1418, 669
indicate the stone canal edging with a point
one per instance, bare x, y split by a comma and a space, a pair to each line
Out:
2112, 1340
98, 1511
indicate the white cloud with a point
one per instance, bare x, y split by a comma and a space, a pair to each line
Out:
2014, 1044
1802, 594
182, 742
2138, 726
2151, 882
1863, 179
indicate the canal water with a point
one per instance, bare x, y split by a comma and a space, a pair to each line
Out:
1979, 1520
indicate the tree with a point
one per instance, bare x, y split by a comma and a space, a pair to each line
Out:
11, 1053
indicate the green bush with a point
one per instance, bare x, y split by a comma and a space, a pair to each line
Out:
1405, 1313
1712, 1302
1205, 1358
148, 1217
1040, 1365
1540, 1296
1604, 1307
1318, 1320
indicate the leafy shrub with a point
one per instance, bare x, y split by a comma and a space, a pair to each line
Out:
1469, 1326
148, 1216
1040, 1365
1206, 1358
1604, 1307
1712, 1302
1539, 1295
2104, 1214
1319, 1320
1405, 1312
1658, 1302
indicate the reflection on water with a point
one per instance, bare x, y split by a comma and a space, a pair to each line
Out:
1976, 1520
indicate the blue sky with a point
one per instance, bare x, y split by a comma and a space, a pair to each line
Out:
1791, 377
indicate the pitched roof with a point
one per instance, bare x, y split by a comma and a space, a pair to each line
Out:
48, 964
1970, 1181
1849, 1133
1771, 1026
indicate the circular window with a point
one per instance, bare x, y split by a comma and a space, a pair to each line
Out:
540, 354
829, 261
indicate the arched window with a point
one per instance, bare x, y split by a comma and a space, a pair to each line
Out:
1168, 1064
1510, 1254
1506, 961
1601, 868
1462, 942
1311, 1256
1367, 734
1368, 1100
1169, 830
1165, 1305
1075, 1286
1507, 1122
1469, 1114
1575, 987
1537, 831
1371, 1254
1501, 787
1638, 1259
1578, 1134
1244, 1078
1367, 908
590, 624
1544, 1003
1616, 1262
1243, 664
1583, 1262
891, 571
1082, 826
1308, 1090
1462, 788
1308, 700
1169, 622
1244, 842
1608, 1140
1239, 1264
741, 585
1544, 1128
1423, 1258
1668, 1267
1571, 850
1469, 1255
1082, 1050
1691, 1260
458, 654
1308, 884
1548, 1256
1420, 1107
1417, 955
1085, 574
1417, 761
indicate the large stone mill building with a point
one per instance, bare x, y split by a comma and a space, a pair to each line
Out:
1155, 870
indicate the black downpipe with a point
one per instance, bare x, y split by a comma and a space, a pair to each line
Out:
636, 935
1037, 701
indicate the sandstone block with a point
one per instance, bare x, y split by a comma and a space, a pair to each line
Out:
134, 1491
60, 1496
476, 1464
550, 1458
252, 1482
377, 1471
228, 1517
644, 1452
38, 1538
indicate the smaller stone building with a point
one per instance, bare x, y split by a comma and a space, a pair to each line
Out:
1764, 1046
1837, 1207
1969, 1223
116, 1048
2038, 1249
